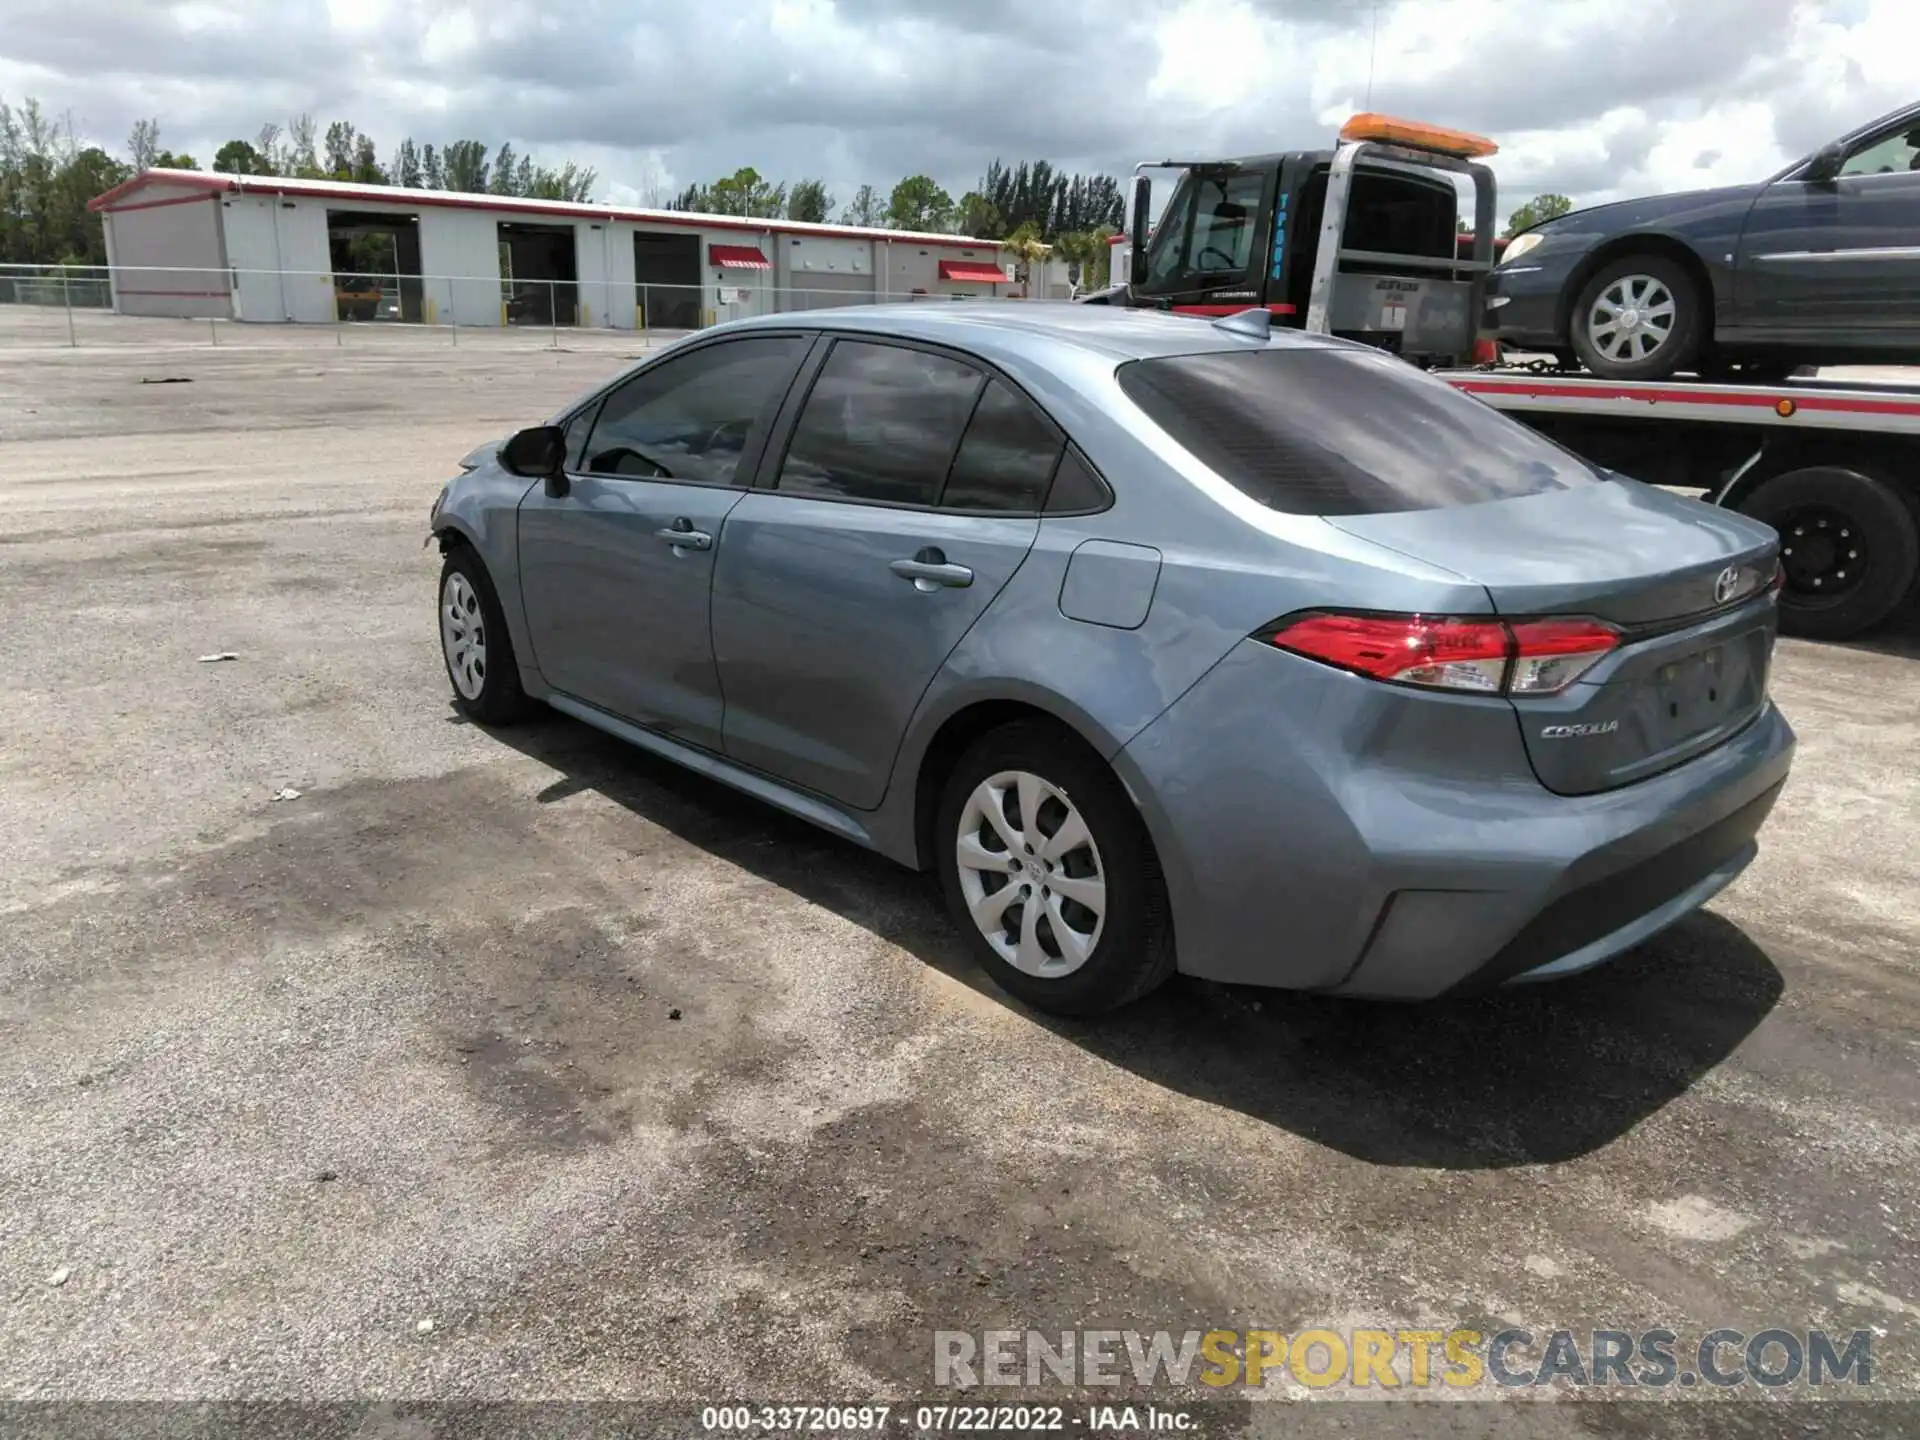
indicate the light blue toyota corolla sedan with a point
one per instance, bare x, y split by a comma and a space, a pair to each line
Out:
1166, 645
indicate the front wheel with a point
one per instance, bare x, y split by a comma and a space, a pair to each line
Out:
1849, 544
1638, 318
1050, 874
474, 643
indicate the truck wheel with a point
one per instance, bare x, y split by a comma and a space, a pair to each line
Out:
1638, 318
1850, 546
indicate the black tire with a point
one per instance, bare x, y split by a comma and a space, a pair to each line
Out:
1681, 343
498, 698
1850, 545
1133, 952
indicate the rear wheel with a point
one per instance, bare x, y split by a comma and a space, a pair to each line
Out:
1050, 875
1638, 318
1850, 546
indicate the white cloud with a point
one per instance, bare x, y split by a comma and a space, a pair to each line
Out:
1598, 99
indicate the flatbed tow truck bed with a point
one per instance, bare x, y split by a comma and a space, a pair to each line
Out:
1832, 463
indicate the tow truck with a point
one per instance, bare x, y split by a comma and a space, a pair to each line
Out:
1363, 241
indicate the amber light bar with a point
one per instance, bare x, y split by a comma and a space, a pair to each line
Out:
1384, 128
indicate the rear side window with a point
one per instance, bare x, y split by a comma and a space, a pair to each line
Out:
1007, 456
881, 423
1313, 431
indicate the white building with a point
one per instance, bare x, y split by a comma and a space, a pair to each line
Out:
264, 248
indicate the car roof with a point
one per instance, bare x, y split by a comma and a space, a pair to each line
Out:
1033, 330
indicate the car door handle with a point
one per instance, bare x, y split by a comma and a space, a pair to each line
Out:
929, 571
682, 535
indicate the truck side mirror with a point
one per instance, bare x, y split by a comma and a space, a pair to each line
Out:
1137, 233
1826, 163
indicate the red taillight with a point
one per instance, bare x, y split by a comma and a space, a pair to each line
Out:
1488, 657
1486, 351
1779, 580
1549, 655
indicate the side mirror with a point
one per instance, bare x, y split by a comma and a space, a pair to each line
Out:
1142, 205
539, 453
1826, 163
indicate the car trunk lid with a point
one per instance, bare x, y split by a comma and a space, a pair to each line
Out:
1692, 601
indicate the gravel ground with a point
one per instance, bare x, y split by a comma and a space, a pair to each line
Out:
639, 1090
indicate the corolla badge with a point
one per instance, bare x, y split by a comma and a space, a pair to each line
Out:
1580, 731
1726, 585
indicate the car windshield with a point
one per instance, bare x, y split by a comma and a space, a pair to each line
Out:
1345, 431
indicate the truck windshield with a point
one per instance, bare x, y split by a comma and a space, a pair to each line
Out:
1208, 228
1326, 430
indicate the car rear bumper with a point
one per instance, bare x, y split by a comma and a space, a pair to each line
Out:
1323, 832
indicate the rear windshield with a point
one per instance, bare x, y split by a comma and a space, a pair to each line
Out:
1314, 431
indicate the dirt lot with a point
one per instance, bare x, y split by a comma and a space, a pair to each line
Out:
282, 1081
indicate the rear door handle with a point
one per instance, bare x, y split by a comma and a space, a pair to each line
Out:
682, 536
929, 570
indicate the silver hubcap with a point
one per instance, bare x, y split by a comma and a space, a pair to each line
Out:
1031, 874
1631, 318
463, 635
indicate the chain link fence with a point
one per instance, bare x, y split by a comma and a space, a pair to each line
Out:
76, 306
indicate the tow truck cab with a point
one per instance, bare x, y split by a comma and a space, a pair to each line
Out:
1239, 234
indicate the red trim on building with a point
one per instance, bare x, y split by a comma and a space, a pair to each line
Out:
1673, 395
189, 178
401, 199
972, 272
737, 257
200, 199
1277, 309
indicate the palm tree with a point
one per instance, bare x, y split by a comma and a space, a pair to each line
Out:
1027, 247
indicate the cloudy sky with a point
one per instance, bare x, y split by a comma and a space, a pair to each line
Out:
1594, 98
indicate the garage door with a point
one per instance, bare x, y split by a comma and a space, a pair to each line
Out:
819, 289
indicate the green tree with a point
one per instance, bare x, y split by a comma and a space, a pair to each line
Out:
502, 182
174, 160
465, 164
977, 216
337, 150
405, 168
46, 179
1540, 208
301, 159
238, 157
569, 182
745, 193
809, 201
366, 163
919, 204
1027, 248
863, 209
143, 143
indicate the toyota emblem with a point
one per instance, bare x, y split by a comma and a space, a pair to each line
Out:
1726, 585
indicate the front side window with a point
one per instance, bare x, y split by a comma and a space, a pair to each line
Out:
688, 418
881, 423
1890, 155
1322, 431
